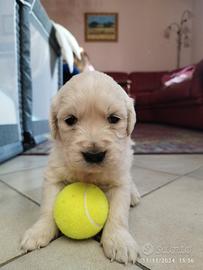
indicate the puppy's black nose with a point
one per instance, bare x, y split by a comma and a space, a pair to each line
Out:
94, 157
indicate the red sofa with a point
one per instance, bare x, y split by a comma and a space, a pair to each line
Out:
179, 104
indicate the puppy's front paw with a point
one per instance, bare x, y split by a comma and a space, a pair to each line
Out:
39, 235
119, 245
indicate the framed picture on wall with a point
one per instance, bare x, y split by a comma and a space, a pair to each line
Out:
101, 26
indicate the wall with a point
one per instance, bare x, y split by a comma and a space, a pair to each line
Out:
141, 45
197, 48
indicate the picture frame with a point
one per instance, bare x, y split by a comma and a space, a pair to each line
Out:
101, 27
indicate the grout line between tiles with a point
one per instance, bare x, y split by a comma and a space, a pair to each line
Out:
179, 177
21, 255
154, 170
188, 174
17, 171
164, 172
166, 184
12, 259
142, 266
19, 192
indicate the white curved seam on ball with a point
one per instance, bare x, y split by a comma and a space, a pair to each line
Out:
87, 212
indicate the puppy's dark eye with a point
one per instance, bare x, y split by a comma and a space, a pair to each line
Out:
71, 120
113, 119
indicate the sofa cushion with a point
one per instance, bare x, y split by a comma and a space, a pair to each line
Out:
176, 92
145, 81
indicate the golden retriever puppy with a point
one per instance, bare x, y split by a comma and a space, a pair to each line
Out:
91, 121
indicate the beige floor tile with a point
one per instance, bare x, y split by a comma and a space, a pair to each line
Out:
65, 254
28, 182
148, 180
35, 194
168, 219
175, 164
197, 173
17, 214
23, 163
168, 224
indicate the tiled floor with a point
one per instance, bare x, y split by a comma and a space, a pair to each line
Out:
168, 223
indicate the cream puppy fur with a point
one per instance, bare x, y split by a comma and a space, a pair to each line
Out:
91, 121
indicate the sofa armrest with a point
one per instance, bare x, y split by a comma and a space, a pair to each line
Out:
197, 81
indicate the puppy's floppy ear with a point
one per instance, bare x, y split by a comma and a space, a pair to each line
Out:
53, 117
131, 116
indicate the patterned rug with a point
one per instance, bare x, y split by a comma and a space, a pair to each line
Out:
152, 139
161, 139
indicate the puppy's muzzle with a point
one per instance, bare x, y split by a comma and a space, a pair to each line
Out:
94, 157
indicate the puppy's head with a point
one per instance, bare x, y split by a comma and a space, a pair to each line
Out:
92, 118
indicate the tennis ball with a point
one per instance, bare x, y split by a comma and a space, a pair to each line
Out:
80, 210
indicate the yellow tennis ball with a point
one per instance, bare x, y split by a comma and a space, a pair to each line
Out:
80, 210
